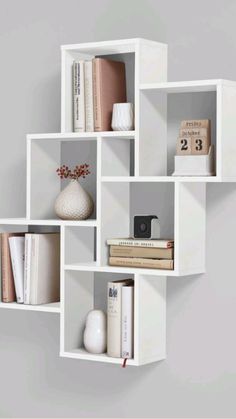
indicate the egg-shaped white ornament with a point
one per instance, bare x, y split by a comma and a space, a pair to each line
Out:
95, 333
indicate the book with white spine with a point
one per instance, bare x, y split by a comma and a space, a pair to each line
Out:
27, 270
45, 268
88, 89
114, 307
17, 250
127, 321
78, 96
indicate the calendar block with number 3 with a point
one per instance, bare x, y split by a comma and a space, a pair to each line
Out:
184, 146
200, 145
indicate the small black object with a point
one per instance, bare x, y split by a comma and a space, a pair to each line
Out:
146, 227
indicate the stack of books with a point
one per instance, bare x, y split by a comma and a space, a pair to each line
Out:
138, 253
120, 319
97, 85
30, 265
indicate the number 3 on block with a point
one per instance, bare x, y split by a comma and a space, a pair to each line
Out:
184, 146
200, 145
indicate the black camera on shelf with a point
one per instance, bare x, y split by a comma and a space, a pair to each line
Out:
146, 227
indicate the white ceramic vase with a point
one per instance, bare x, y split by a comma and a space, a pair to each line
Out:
74, 203
95, 333
122, 117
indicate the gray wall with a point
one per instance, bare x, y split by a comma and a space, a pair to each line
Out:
198, 379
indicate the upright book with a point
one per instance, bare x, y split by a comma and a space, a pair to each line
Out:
17, 251
43, 269
78, 96
8, 286
127, 321
88, 93
109, 87
114, 310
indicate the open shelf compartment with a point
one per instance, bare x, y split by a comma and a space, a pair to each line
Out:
43, 159
164, 105
180, 208
17, 226
84, 291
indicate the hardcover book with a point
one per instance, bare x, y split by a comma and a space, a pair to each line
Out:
127, 320
160, 243
88, 92
8, 286
78, 96
109, 87
43, 268
114, 312
17, 251
142, 263
142, 252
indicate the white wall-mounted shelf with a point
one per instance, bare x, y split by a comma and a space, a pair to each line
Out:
131, 173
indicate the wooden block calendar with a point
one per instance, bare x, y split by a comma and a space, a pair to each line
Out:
194, 137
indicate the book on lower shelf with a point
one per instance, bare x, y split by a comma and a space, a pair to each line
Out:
8, 285
17, 252
30, 268
142, 253
120, 318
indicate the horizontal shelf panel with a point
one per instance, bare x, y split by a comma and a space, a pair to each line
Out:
109, 47
187, 86
47, 308
86, 356
94, 267
25, 221
75, 136
160, 179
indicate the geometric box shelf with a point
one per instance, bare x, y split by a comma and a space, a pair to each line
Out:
131, 173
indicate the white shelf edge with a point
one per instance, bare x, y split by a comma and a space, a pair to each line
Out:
81, 135
112, 43
111, 179
47, 308
26, 221
85, 356
94, 267
191, 85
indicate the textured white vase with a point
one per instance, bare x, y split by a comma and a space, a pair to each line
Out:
122, 117
74, 203
95, 334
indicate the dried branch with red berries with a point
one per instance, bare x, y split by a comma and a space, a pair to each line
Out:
64, 172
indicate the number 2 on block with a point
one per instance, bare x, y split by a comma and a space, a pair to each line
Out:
183, 145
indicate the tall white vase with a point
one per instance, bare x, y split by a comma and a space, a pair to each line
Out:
74, 203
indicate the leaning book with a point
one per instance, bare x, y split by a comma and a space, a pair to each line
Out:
8, 286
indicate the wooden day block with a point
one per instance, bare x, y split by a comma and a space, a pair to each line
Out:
200, 145
193, 132
184, 146
196, 123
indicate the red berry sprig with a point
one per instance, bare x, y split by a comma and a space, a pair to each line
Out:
79, 171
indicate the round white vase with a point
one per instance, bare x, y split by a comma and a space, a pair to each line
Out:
122, 117
74, 203
95, 334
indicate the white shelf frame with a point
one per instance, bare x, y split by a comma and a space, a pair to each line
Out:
189, 196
